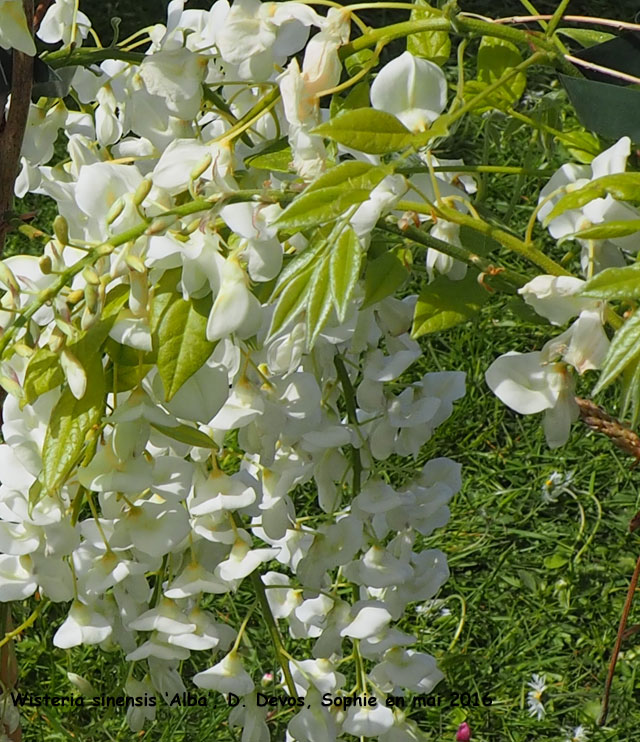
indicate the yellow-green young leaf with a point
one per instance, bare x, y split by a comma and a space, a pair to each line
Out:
609, 230
382, 277
622, 187
298, 264
44, 371
277, 157
313, 208
351, 175
367, 130
71, 421
355, 63
495, 58
444, 303
344, 269
292, 299
182, 343
614, 284
357, 97
630, 394
43, 374
185, 434
432, 45
623, 351
581, 145
319, 302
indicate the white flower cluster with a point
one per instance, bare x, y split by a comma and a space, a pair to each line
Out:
190, 482
543, 380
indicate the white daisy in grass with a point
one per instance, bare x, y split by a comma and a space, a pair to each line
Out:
534, 696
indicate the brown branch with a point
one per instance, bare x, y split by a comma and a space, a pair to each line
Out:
40, 12
602, 422
12, 130
616, 650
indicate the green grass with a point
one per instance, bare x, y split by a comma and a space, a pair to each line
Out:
535, 587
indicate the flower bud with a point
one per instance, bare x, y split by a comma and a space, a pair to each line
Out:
91, 297
82, 684
115, 211
464, 732
75, 296
74, 373
8, 279
161, 224
45, 265
90, 276
61, 229
135, 263
56, 340
142, 191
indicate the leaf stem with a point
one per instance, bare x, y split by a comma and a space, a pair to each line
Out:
270, 621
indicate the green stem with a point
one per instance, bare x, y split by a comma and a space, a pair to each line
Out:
507, 240
561, 135
86, 56
473, 103
270, 621
461, 24
129, 235
500, 278
350, 404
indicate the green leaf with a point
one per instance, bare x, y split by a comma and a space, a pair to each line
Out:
182, 342
443, 304
276, 156
382, 277
612, 111
357, 97
555, 561
71, 421
432, 45
292, 299
43, 374
312, 208
610, 230
355, 63
624, 350
630, 394
44, 371
129, 365
298, 264
614, 283
351, 175
319, 302
186, 434
580, 144
495, 58
622, 187
344, 269
585, 36
367, 130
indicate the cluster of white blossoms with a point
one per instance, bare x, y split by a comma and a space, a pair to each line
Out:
165, 435
543, 381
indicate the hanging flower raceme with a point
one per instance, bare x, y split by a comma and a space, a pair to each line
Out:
165, 422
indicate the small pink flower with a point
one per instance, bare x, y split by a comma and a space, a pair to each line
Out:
464, 732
